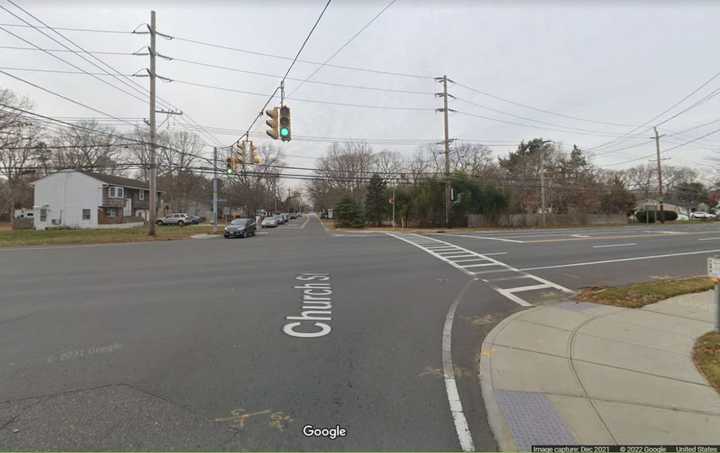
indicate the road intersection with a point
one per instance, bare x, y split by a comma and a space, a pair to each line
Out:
182, 344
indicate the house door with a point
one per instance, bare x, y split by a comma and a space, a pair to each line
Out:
127, 210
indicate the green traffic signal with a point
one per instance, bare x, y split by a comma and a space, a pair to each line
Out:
284, 132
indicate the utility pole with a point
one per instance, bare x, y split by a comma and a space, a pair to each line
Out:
152, 74
393, 204
444, 80
153, 125
542, 184
659, 167
215, 190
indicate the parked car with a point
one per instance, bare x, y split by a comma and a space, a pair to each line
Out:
293, 215
194, 219
269, 222
702, 215
177, 218
280, 219
682, 217
242, 228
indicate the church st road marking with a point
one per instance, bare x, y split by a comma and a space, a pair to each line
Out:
316, 310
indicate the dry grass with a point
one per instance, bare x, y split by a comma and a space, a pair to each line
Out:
20, 238
706, 355
641, 294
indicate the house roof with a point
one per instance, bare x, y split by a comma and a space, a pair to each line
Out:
108, 179
119, 180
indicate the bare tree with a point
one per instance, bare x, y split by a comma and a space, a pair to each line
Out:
387, 164
343, 170
18, 136
421, 163
91, 146
642, 180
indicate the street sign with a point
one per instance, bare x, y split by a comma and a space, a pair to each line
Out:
713, 267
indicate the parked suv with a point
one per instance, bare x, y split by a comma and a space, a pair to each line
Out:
177, 218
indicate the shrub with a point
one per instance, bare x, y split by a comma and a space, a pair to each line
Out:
349, 214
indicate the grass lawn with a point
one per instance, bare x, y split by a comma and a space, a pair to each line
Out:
706, 355
21, 238
641, 294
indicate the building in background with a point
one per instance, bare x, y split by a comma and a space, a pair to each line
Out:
75, 199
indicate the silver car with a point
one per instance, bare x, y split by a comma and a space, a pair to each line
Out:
177, 218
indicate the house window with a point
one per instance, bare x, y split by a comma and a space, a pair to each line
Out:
115, 192
43, 215
111, 212
141, 195
86, 214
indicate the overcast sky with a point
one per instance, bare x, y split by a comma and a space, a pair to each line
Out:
604, 62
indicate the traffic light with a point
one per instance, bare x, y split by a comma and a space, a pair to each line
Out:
272, 123
254, 154
285, 123
230, 165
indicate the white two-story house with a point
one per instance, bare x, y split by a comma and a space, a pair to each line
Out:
78, 199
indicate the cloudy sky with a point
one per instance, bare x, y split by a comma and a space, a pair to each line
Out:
580, 72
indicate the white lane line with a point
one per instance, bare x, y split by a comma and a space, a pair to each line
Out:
479, 265
456, 408
478, 237
305, 223
580, 235
665, 232
452, 257
627, 244
709, 239
619, 260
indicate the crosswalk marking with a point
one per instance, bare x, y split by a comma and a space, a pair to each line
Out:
445, 251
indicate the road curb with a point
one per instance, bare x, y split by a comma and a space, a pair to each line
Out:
498, 425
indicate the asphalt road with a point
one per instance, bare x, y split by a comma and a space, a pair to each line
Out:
186, 345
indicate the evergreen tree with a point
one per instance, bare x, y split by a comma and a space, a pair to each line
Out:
375, 202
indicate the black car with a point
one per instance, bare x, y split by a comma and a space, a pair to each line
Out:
240, 228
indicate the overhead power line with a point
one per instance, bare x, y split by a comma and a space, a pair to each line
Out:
499, 120
650, 121
569, 128
91, 30
310, 101
294, 60
263, 54
314, 82
549, 112
42, 49
125, 80
340, 49
666, 150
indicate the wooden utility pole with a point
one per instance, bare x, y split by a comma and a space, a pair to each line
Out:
542, 184
153, 126
215, 190
659, 167
444, 80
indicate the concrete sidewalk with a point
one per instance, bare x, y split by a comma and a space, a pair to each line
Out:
583, 373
